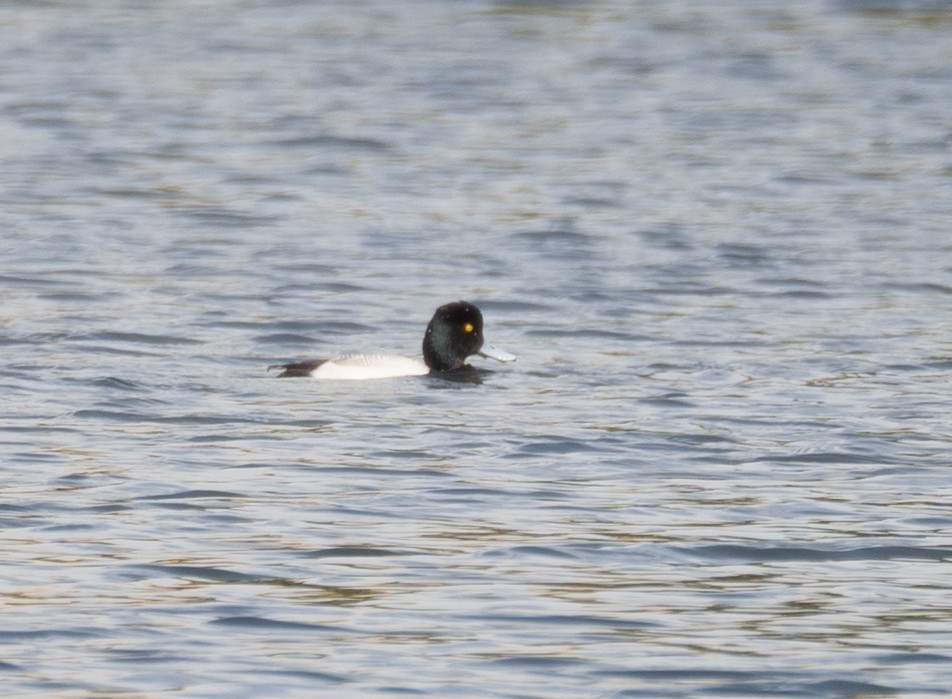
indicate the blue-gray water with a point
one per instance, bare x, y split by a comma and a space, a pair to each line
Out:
717, 236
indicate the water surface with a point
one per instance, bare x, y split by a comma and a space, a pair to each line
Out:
717, 237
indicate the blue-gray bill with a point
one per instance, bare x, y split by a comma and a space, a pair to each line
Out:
500, 355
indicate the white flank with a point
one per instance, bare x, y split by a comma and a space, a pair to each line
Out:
355, 367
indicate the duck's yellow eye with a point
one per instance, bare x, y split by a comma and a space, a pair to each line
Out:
468, 328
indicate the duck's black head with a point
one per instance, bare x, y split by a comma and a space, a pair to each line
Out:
455, 332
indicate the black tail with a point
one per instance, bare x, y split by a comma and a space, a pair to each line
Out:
298, 368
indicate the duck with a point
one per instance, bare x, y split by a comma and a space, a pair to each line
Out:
454, 333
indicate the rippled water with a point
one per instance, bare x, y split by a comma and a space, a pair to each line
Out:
717, 237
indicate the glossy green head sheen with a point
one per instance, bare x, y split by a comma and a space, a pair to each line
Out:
455, 332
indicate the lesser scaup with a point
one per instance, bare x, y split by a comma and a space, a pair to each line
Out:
455, 332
